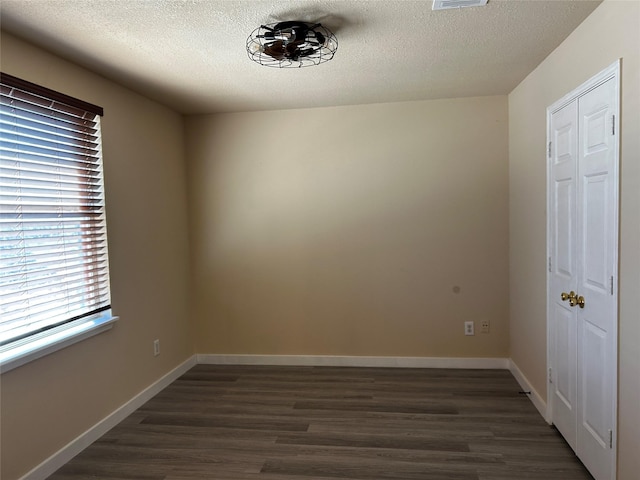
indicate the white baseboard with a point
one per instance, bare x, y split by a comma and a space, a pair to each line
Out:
535, 397
73, 448
354, 361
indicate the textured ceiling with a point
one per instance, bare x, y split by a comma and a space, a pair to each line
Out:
191, 55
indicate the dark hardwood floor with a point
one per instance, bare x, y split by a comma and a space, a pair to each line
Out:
321, 423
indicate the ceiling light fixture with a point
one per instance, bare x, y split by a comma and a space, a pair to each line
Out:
291, 44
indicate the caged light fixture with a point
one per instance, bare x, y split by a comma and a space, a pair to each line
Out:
292, 44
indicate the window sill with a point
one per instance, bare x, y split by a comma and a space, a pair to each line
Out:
18, 353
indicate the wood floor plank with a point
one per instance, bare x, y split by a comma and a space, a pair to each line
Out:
362, 405
251, 422
365, 469
325, 423
401, 442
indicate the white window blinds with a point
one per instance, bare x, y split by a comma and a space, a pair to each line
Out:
53, 239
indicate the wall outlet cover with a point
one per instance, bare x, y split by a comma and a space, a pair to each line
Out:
468, 328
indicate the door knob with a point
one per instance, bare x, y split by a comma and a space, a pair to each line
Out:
573, 299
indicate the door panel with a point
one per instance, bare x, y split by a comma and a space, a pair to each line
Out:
564, 383
594, 388
594, 258
565, 236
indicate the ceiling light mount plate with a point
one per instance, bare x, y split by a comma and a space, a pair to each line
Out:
291, 44
449, 4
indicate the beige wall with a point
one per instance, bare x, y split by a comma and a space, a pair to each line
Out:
47, 403
611, 32
343, 231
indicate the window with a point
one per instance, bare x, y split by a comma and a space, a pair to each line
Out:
54, 276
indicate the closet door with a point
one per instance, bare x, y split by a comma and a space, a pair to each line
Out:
582, 296
563, 269
597, 259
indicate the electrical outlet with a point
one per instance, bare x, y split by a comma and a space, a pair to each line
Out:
484, 326
468, 328
156, 348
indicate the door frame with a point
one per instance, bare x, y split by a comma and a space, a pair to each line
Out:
611, 72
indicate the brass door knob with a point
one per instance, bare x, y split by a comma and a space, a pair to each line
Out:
573, 299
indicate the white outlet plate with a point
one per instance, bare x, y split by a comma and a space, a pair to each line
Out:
156, 348
469, 328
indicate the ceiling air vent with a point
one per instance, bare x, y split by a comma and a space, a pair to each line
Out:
447, 4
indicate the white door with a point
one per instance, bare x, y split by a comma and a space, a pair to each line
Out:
583, 239
563, 275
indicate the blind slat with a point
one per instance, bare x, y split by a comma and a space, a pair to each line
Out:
13, 239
